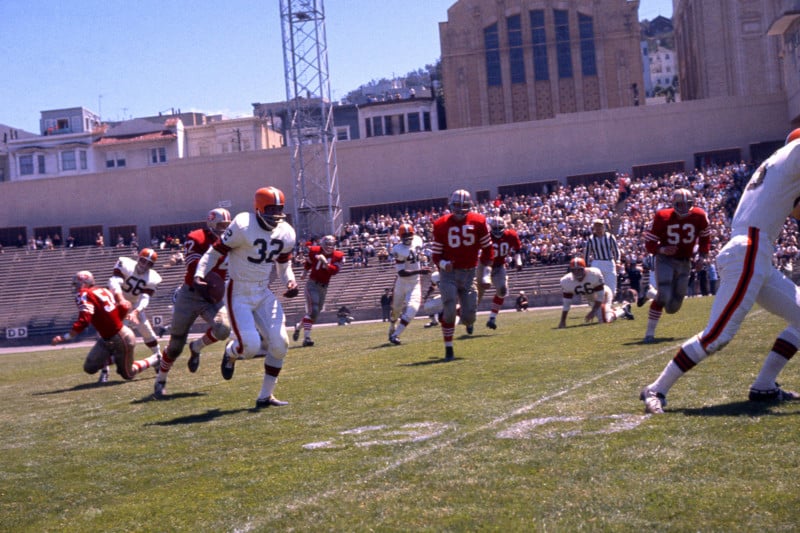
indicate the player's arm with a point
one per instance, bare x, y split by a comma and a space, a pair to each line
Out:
209, 260
566, 304
82, 322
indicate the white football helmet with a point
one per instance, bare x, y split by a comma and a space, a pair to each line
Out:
218, 220
682, 201
460, 203
328, 244
82, 279
497, 226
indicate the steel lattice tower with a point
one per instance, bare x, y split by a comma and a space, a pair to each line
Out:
309, 133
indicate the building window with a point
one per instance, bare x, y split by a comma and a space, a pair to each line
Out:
40, 161
82, 155
68, 160
25, 165
516, 56
413, 123
158, 155
62, 124
586, 32
491, 39
563, 52
368, 127
426, 120
115, 159
342, 133
377, 126
387, 125
538, 36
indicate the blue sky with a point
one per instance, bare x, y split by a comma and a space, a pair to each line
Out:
123, 58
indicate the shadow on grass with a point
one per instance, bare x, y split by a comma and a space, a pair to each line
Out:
655, 343
208, 416
431, 361
82, 386
742, 408
169, 397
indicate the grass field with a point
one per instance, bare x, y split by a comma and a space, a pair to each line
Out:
531, 428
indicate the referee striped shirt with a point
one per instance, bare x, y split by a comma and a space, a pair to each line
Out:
602, 248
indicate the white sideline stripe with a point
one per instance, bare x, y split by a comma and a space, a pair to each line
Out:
436, 446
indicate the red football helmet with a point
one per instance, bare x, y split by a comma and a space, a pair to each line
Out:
682, 201
578, 267
218, 220
269, 204
328, 244
460, 203
406, 233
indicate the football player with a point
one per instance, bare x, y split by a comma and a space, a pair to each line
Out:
407, 255
191, 302
136, 281
433, 302
507, 245
673, 237
460, 241
322, 263
589, 283
99, 307
254, 243
747, 277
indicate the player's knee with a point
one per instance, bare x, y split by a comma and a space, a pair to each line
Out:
273, 360
220, 330
673, 306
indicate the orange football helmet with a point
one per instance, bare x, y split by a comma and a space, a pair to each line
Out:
269, 204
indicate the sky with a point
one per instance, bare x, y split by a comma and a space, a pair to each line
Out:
124, 59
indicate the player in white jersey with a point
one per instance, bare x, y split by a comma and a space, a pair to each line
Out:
589, 283
407, 289
747, 277
254, 243
136, 281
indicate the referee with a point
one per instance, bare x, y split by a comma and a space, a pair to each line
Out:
601, 251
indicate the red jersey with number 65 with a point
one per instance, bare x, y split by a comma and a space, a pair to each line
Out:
97, 306
462, 242
670, 229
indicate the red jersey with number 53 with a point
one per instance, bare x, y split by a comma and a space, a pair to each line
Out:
669, 229
462, 242
505, 247
96, 306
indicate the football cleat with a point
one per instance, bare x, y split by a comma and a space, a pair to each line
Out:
470, 329
296, 332
654, 402
448, 353
160, 390
103, 376
227, 366
393, 339
491, 324
649, 339
271, 401
308, 342
628, 315
431, 324
194, 360
776, 395
642, 299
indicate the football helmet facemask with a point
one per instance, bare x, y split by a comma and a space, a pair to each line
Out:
578, 268
682, 201
460, 203
147, 258
218, 220
497, 226
82, 279
328, 244
406, 233
269, 204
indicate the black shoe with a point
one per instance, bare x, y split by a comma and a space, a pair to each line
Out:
776, 395
308, 342
470, 329
271, 401
628, 313
393, 339
431, 324
160, 390
491, 324
642, 297
448, 353
228, 366
194, 360
296, 333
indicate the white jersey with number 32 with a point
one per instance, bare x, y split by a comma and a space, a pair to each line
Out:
253, 249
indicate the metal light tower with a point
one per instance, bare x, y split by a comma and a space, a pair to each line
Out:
309, 132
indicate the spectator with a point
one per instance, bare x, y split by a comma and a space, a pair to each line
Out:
99, 241
386, 304
20, 241
57, 240
71, 241
522, 302
120, 241
343, 316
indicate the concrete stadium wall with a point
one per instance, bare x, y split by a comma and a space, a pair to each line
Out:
404, 168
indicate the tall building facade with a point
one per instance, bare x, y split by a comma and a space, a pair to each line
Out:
724, 48
506, 61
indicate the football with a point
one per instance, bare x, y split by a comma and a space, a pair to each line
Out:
216, 286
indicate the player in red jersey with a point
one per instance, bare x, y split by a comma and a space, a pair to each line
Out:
98, 307
673, 237
507, 245
192, 301
460, 240
322, 263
